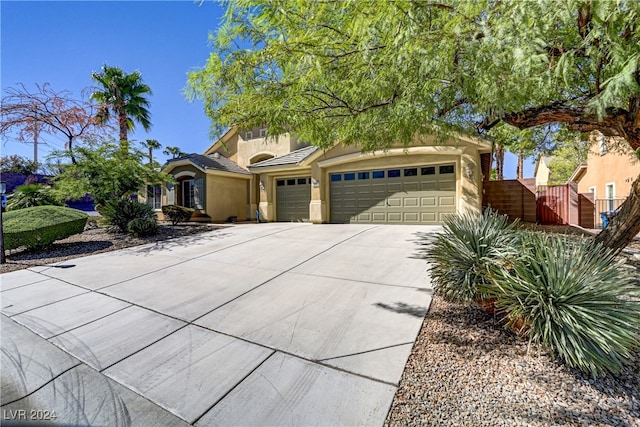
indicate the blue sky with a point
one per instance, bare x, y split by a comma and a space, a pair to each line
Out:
63, 42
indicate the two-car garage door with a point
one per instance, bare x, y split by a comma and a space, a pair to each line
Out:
409, 195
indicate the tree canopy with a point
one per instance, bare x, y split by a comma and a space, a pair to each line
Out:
125, 96
17, 164
375, 72
106, 172
44, 110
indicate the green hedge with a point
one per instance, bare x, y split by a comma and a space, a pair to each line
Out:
40, 226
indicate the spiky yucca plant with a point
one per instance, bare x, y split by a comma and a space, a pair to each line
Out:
575, 300
462, 253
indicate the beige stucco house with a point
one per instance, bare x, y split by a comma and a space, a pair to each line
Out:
610, 169
541, 173
290, 180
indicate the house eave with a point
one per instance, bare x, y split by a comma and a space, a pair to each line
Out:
579, 173
174, 164
218, 172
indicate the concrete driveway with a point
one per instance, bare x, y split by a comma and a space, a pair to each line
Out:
269, 324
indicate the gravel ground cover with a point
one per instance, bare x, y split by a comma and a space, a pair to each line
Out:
95, 240
465, 369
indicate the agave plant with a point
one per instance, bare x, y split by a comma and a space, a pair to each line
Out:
463, 252
574, 299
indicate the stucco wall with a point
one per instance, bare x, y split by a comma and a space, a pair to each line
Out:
249, 149
612, 167
226, 197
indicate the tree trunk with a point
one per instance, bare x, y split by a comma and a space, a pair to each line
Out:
519, 170
499, 152
122, 123
70, 148
625, 225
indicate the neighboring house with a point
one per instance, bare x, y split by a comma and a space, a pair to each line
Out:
289, 180
15, 180
541, 172
607, 174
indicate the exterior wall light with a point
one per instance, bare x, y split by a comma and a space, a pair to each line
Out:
468, 171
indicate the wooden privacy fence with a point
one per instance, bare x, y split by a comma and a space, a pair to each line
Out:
554, 205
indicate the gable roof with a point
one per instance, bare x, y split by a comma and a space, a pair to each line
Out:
579, 173
293, 158
212, 162
544, 160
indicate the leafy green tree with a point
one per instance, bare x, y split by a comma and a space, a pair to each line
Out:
377, 72
566, 158
106, 172
126, 97
522, 143
17, 164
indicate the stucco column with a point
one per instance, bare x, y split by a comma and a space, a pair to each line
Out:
317, 206
471, 181
266, 198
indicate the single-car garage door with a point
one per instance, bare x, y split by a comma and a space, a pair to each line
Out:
407, 195
292, 199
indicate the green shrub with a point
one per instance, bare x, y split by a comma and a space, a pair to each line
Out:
461, 255
40, 226
31, 195
118, 213
176, 214
142, 227
574, 299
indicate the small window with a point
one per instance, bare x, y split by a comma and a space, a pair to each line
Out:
280, 182
248, 135
302, 181
602, 145
349, 176
393, 173
363, 175
291, 182
411, 172
263, 132
336, 177
446, 169
429, 170
378, 174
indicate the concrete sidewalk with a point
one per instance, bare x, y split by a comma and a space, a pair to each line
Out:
254, 324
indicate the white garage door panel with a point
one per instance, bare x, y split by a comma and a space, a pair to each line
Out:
416, 195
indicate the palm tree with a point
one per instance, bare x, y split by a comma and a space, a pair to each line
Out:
174, 152
151, 144
125, 96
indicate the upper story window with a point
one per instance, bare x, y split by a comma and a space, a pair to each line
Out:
602, 144
248, 135
263, 132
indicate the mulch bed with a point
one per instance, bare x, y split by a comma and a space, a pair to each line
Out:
95, 240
